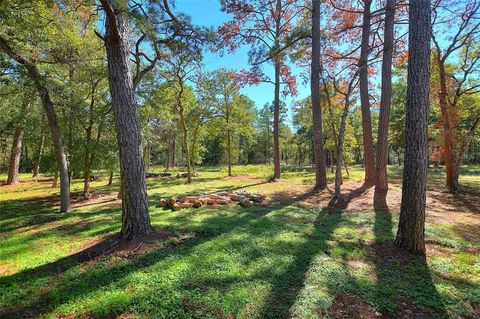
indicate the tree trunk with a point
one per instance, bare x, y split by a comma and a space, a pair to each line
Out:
365, 98
465, 145
135, 216
229, 152
411, 227
48, 106
110, 178
448, 125
38, 158
318, 152
381, 182
185, 143
341, 139
15, 157
55, 180
276, 124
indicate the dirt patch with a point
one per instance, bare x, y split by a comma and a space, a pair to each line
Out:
4, 270
353, 307
407, 309
243, 177
349, 307
95, 199
441, 207
128, 249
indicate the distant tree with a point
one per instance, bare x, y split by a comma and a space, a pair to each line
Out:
19, 40
456, 81
411, 227
229, 110
266, 26
180, 67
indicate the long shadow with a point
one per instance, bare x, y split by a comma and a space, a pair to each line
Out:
342, 202
94, 280
287, 285
404, 282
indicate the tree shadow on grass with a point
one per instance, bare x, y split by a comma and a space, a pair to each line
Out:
94, 280
404, 287
287, 284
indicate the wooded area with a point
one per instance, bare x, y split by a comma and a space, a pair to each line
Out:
126, 151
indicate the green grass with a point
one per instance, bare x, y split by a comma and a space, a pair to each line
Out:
289, 260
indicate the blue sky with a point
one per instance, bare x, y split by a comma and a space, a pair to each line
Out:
207, 13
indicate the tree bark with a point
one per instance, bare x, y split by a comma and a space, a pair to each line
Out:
448, 125
15, 156
411, 227
318, 149
38, 157
229, 152
135, 216
48, 106
55, 180
276, 124
110, 178
381, 179
365, 98
341, 139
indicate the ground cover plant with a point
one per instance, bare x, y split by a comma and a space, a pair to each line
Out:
293, 256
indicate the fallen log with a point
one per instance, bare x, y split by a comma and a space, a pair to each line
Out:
212, 200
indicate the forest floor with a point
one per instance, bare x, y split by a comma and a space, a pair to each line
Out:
295, 256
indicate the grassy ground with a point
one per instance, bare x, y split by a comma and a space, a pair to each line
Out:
292, 257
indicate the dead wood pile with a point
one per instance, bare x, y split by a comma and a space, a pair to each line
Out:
243, 198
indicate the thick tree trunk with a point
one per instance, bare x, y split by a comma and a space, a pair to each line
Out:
381, 182
276, 124
411, 227
38, 157
15, 156
135, 216
318, 152
365, 98
448, 125
48, 106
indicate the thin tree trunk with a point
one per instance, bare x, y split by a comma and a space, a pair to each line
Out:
48, 106
386, 98
135, 216
466, 142
110, 178
276, 124
185, 143
15, 157
318, 149
229, 152
55, 180
365, 98
38, 157
411, 227
448, 125
341, 138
